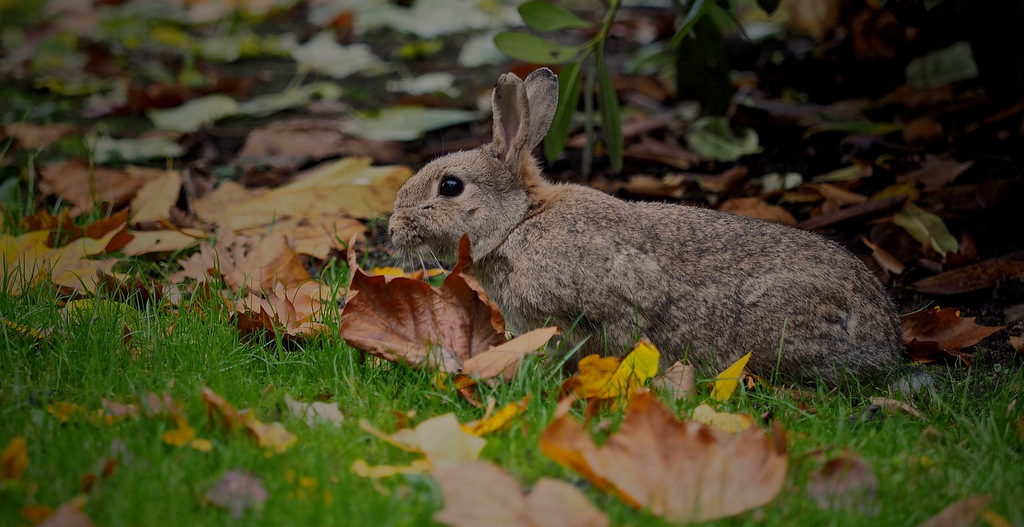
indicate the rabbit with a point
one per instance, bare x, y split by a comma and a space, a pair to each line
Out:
701, 284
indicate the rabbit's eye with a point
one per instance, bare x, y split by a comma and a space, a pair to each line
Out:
450, 186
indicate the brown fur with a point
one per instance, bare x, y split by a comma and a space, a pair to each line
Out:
699, 283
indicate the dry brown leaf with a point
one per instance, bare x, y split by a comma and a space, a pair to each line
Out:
479, 493
845, 482
678, 381
214, 205
316, 237
974, 277
350, 186
287, 145
886, 260
409, 320
84, 186
935, 172
271, 262
682, 471
963, 513
154, 200
758, 208
237, 491
933, 334
163, 241
1017, 341
29, 136
68, 515
504, 358
894, 406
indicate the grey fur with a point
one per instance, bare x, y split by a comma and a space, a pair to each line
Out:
697, 282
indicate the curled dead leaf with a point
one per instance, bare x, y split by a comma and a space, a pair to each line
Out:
682, 471
936, 333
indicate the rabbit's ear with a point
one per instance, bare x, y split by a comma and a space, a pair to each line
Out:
511, 111
542, 93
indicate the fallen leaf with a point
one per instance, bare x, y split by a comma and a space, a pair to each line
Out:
926, 227
936, 333
712, 137
154, 199
442, 440
162, 241
728, 380
1017, 341
200, 444
682, 471
181, 435
36, 513
14, 459
68, 515
215, 204
614, 378
350, 186
411, 321
935, 172
325, 55
758, 208
273, 436
238, 491
133, 149
724, 421
28, 136
192, 115
405, 123
678, 381
480, 493
845, 482
499, 419
271, 262
314, 411
503, 359
884, 259
65, 411
963, 513
973, 277
84, 186
895, 406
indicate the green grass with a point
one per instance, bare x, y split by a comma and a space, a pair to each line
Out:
977, 449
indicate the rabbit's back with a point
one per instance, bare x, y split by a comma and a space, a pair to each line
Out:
700, 283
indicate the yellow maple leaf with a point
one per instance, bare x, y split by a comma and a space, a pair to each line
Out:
14, 459
727, 381
609, 378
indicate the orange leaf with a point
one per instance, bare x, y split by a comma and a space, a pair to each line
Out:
14, 459
933, 334
411, 321
681, 471
480, 493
